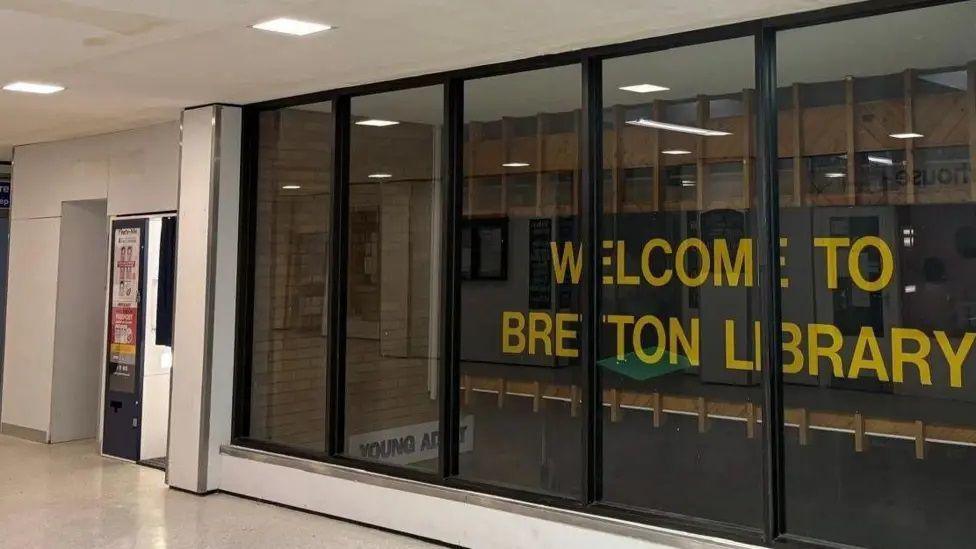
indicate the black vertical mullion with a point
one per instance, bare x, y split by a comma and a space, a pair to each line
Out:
339, 251
241, 418
769, 282
452, 142
591, 211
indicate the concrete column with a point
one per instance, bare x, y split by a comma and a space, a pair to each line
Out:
204, 332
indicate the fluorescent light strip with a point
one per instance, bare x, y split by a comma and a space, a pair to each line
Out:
644, 122
516, 165
905, 135
644, 88
291, 187
675, 152
294, 27
33, 87
880, 160
377, 123
380, 175
835, 175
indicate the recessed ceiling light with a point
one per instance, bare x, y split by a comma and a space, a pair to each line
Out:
291, 187
644, 88
293, 27
676, 127
380, 175
33, 87
675, 151
376, 122
516, 165
906, 135
835, 175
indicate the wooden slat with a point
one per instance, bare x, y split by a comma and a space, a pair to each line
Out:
658, 412
971, 112
656, 157
909, 90
467, 389
506, 157
537, 397
748, 139
851, 134
502, 391
540, 160
804, 427
618, 158
614, 405
858, 432
702, 415
919, 439
574, 401
797, 147
751, 420
700, 164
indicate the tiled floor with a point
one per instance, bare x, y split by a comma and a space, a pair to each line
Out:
65, 495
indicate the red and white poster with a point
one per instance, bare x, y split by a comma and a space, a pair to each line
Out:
124, 327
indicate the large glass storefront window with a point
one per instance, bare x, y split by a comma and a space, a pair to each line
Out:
678, 369
393, 278
878, 226
292, 231
520, 367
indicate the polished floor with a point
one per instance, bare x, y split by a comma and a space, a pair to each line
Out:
65, 495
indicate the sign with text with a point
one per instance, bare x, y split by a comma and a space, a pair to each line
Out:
408, 444
124, 327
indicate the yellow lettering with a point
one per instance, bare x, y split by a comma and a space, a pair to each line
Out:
816, 351
900, 357
867, 344
831, 245
681, 260
513, 325
658, 326
854, 266
955, 358
649, 275
621, 322
742, 265
622, 276
540, 330
569, 260
678, 338
563, 334
731, 362
793, 348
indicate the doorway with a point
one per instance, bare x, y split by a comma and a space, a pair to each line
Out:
139, 357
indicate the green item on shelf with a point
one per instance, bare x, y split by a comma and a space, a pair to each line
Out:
634, 368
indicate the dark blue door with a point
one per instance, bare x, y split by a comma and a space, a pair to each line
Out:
123, 377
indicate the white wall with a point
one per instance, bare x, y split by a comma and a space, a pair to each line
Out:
157, 359
79, 327
135, 171
203, 338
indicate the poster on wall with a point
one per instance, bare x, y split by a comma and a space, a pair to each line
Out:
124, 327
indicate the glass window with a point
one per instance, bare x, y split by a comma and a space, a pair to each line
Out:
521, 374
292, 231
878, 238
393, 283
680, 381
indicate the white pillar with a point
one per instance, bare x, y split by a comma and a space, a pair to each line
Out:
206, 290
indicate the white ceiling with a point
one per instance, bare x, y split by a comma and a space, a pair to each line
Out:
128, 63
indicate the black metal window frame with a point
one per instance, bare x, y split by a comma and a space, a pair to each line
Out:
589, 61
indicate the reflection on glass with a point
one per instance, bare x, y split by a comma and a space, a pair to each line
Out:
294, 195
393, 288
521, 375
879, 263
681, 426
